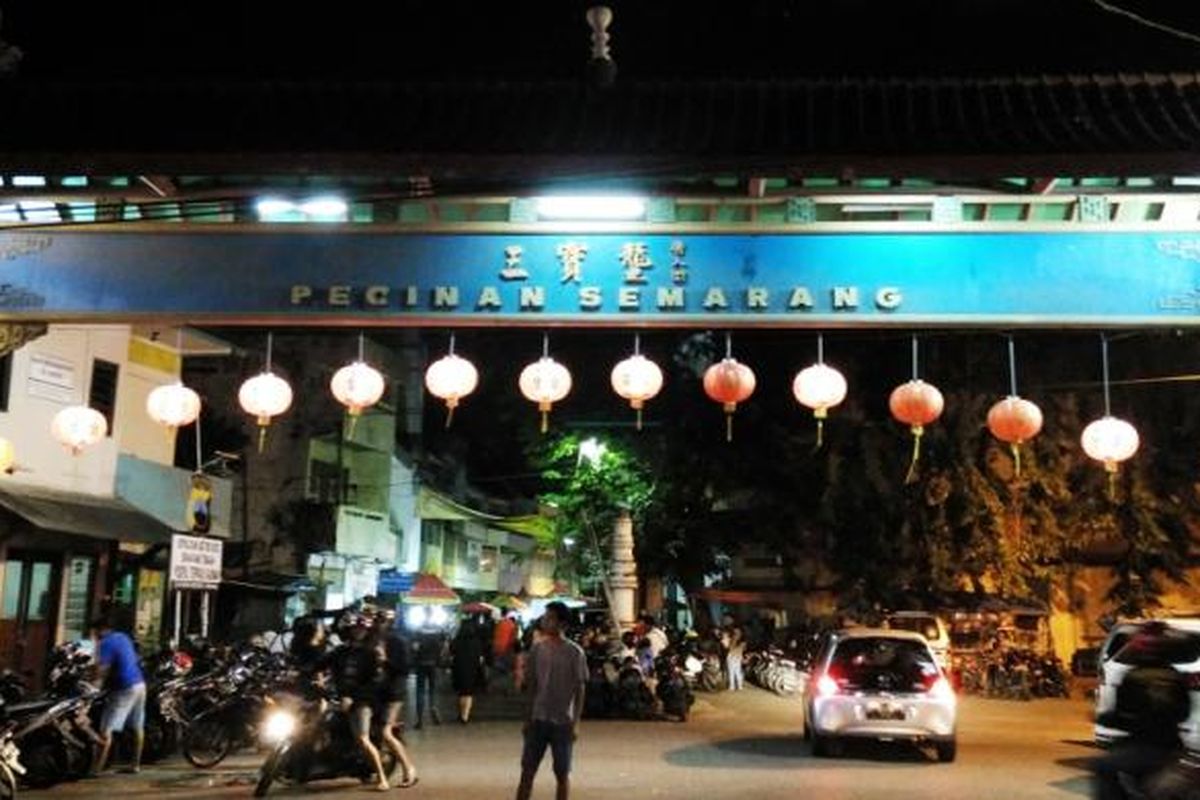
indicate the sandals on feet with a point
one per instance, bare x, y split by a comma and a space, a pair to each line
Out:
408, 783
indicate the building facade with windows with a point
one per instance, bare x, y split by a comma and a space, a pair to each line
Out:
81, 533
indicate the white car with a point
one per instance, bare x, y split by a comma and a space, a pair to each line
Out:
1111, 671
879, 684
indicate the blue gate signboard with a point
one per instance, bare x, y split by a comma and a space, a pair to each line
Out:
880, 279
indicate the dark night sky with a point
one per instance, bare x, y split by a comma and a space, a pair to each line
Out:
548, 38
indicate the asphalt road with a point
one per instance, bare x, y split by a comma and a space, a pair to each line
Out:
737, 747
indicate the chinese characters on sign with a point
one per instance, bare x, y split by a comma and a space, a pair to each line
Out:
632, 294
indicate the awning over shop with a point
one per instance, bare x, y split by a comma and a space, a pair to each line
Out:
83, 514
435, 505
429, 590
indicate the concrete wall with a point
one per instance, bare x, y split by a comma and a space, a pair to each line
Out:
65, 355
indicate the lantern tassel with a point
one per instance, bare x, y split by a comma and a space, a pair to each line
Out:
729, 427
911, 476
350, 427
1016, 453
545, 421
449, 416
1112, 485
820, 433
639, 418
262, 437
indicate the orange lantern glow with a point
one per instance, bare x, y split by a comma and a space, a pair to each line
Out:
729, 382
916, 404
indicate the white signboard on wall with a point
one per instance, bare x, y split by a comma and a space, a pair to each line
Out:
52, 378
195, 562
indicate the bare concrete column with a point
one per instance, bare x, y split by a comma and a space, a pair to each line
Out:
622, 581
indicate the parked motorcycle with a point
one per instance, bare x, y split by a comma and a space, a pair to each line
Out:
673, 690
11, 769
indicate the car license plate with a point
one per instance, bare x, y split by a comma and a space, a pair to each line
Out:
884, 711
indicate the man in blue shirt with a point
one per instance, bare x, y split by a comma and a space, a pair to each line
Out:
125, 708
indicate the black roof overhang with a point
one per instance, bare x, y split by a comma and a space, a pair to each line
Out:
501, 132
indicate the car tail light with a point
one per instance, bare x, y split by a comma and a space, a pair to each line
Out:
827, 686
941, 689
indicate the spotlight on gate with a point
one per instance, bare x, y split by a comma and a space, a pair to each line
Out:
591, 207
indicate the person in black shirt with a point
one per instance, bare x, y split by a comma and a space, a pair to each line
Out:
357, 671
428, 646
392, 690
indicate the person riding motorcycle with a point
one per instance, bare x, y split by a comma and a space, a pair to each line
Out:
357, 671
1152, 701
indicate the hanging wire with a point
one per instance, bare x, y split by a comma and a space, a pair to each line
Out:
1104, 353
199, 448
270, 341
820, 348
728, 344
451, 344
1149, 23
545, 345
637, 344
1012, 367
914, 356
360, 346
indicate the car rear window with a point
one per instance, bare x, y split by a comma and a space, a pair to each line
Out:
1176, 648
926, 626
883, 664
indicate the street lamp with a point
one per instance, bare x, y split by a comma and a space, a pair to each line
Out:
591, 450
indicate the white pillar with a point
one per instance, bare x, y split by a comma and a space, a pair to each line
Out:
622, 579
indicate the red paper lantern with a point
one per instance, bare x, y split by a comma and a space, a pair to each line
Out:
1014, 420
729, 382
916, 404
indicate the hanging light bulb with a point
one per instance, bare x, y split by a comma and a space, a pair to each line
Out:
637, 379
264, 396
1109, 440
78, 427
451, 378
916, 404
357, 386
545, 382
729, 382
819, 387
1014, 420
173, 405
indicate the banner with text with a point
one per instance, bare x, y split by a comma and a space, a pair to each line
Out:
687, 279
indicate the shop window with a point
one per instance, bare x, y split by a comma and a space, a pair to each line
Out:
488, 561
12, 590
79, 584
103, 393
40, 600
5, 380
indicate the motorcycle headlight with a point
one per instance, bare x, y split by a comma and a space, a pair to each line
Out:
278, 726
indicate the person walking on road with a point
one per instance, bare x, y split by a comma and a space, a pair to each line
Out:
558, 676
428, 647
125, 708
735, 651
391, 692
467, 667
